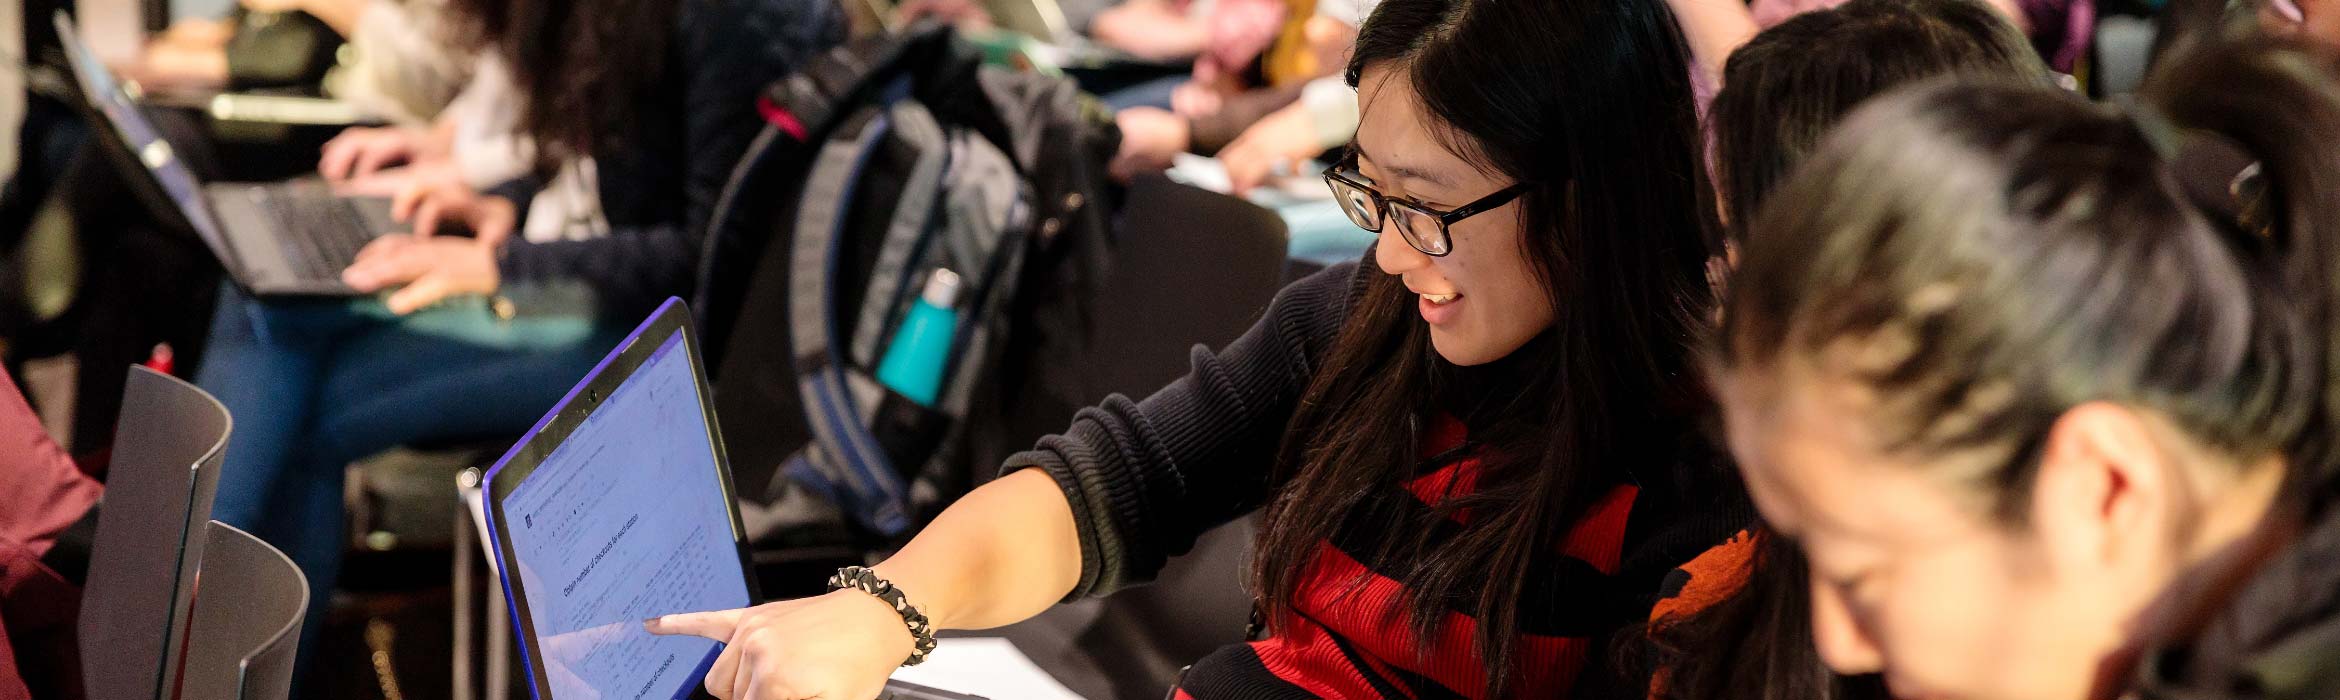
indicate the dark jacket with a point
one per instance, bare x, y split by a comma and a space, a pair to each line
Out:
660, 179
2278, 639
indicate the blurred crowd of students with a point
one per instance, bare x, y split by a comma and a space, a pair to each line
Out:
1705, 350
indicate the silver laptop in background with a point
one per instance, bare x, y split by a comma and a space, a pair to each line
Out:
290, 238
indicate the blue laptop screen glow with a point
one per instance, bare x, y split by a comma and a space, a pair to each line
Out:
623, 522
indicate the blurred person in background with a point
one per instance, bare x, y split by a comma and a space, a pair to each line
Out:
43, 495
478, 336
2059, 30
259, 44
1262, 97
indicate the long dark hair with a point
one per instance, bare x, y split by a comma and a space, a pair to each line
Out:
1589, 101
582, 67
1987, 256
1786, 87
1783, 91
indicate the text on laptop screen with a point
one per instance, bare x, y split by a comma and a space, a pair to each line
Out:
623, 522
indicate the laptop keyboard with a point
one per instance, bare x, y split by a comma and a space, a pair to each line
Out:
321, 233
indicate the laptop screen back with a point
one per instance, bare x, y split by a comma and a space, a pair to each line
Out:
139, 135
627, 520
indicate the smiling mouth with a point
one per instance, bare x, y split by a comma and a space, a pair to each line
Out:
1441, 299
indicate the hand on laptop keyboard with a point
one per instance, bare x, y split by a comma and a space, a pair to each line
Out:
430, 203
431, 269
360, 151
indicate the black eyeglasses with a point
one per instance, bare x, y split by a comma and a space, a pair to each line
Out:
1423, 228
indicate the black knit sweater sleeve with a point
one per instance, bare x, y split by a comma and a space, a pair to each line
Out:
1146, 478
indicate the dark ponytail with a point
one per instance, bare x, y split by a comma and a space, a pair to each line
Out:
2278, 104
1986, 256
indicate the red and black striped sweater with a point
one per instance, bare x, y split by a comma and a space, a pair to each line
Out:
1146, 478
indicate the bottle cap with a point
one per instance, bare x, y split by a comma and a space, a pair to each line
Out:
942, 288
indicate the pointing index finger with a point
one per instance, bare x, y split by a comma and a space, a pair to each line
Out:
716, 625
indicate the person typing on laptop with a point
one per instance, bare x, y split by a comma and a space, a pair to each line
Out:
318, 383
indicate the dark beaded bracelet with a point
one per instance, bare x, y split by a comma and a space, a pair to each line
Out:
867, 581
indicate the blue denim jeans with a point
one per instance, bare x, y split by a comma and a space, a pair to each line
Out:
314, 385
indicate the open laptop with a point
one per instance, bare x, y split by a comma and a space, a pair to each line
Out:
616, 508
282, 238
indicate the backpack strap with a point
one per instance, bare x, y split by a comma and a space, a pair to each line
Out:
893, 279
838, 404
801, 111
841, 399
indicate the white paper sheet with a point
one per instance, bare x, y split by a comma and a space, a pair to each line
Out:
1278, 192
987, 666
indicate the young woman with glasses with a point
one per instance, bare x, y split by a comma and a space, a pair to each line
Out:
1477, 453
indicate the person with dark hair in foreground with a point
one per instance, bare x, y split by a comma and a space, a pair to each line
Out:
2052, 416
1783, 91
1478, 452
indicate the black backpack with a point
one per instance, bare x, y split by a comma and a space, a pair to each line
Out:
884, 160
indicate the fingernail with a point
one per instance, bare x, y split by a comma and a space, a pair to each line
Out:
651, 624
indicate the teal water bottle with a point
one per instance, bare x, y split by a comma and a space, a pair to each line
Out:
914, 363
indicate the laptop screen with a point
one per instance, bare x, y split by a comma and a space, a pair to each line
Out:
105, 93
624, 521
